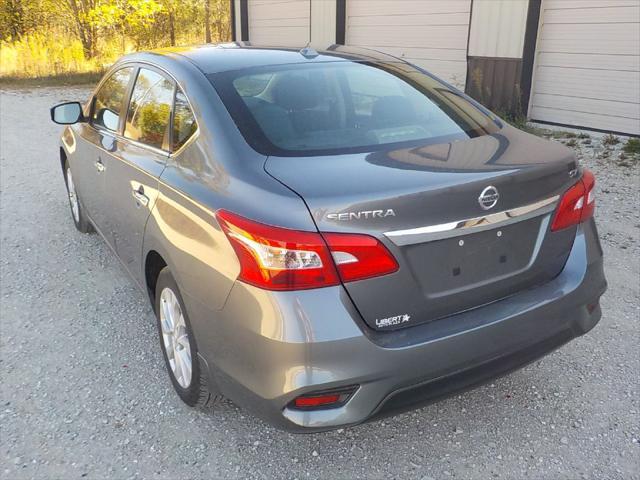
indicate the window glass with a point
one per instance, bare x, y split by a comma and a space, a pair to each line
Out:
252, 85
108, 101
341, 107
366, 89
150, 109
184, 123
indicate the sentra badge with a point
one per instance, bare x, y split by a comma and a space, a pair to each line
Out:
363, 215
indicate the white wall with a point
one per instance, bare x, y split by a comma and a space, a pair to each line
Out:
323, 23
236, 4
587, 68
429, 33
497, 28
279, 22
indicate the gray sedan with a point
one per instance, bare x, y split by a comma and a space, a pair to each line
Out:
330, 237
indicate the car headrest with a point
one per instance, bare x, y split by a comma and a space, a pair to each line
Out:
295, 93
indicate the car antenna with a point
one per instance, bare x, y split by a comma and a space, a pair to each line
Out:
308, 52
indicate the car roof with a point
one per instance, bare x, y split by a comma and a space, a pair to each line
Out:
215, 58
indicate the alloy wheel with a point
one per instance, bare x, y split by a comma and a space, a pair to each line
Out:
73, 197
175, 337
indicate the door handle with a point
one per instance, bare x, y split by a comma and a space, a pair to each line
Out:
99, 165
141, 198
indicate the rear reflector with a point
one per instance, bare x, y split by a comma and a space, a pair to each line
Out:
276, 258
322, 400
577, 204
318, 401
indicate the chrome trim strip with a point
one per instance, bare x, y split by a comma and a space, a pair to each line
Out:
461, 227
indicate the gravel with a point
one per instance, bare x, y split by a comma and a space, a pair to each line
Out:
84, 393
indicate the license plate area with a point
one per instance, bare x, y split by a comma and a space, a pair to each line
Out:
457, 264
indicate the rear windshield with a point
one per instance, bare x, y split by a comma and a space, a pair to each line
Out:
340, 107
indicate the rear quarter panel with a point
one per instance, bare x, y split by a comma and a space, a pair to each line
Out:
217, 170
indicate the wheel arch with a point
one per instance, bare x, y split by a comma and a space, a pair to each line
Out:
63, 160
153, 265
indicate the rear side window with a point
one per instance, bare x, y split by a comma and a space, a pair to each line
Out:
109, 100
343, 107
184, 123
150, 109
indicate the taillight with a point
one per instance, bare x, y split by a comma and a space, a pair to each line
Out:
590, 203
577, 204
359, 256
276, 258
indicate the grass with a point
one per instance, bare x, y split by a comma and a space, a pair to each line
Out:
632, 147
610, 140
40, 56
63, 79
39, 60
521, 123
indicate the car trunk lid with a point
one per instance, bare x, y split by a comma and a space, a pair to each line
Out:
424, 204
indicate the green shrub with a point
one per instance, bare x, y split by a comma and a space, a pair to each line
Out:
632, 147
610, 139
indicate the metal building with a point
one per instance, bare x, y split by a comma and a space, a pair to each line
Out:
566, 62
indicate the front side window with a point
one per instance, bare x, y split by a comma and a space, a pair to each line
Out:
184, 123
150, 109
343, 107
108, 102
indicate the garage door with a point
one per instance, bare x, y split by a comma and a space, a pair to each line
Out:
432, 34
279, 22
588, 65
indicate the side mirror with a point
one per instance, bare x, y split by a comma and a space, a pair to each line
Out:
67, 113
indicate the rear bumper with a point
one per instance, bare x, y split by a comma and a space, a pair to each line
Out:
270, 347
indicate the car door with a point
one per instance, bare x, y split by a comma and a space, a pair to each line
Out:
137, 162
100, 136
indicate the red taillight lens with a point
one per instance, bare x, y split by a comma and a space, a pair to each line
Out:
589, 182
577, 204
570, 208
359, 256
276, 258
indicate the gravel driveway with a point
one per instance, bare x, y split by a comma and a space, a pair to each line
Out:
84, 391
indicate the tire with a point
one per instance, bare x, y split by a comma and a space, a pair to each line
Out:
78, 216
193, 390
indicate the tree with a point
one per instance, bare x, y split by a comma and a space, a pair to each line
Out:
80, 10
20, 17
132, 18
207, 21
223, 21
12, 18
171, 8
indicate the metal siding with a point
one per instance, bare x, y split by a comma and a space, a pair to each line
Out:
432, 34
495, 82
279, 22
497, 28
323, 23
237, 20
588, 65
